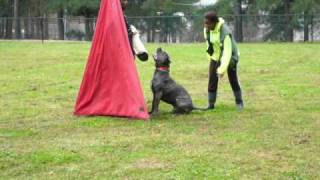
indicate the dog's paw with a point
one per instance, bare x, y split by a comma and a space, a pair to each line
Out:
154, 113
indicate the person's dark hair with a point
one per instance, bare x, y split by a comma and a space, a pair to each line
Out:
212, 16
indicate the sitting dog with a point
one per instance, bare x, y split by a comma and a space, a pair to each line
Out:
166, 89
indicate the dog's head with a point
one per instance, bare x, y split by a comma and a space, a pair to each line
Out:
161, 58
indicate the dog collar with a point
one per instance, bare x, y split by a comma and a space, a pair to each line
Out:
163, 68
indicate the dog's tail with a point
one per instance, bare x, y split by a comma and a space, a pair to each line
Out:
199, 109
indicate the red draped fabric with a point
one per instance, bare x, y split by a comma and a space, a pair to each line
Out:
111, 85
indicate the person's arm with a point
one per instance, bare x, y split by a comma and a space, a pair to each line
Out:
130, 34
226, 56
128, 26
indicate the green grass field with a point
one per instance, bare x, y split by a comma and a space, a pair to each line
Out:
277, 136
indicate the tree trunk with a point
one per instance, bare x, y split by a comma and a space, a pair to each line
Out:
312, 27
253, 22
149, 30
8, 20
306, 26
32, 30
8, 28
16, 22
163, 36
1, 28
288, 25
26, 28
39, 28
239, 31
27, 25
148, 35
89, 29
174, 36
46, 27
153, 31
61, 24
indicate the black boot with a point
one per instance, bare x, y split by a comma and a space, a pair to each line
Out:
239, 101
212, 96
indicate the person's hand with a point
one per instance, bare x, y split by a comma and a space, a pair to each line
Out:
134, 30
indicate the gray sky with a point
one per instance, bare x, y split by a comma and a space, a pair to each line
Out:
207, 2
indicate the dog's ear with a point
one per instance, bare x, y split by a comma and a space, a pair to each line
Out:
167, 57
159, 50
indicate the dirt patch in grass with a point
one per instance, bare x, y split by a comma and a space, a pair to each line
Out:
15, 133
150, 164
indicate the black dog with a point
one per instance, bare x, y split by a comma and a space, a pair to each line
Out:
166, 89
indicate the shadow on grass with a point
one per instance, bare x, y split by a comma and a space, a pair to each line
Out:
163, 116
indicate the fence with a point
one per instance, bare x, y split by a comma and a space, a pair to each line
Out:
169, 29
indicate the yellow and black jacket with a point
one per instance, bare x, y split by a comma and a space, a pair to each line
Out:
221, 46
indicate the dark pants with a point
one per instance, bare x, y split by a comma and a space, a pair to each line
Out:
232, 75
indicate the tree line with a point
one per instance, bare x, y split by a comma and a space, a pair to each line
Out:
35, 14
28, 13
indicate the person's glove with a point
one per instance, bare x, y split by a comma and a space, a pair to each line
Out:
138, 46
210, 50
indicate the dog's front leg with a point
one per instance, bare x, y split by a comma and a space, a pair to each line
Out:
155, 103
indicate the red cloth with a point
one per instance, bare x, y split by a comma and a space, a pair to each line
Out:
110, 85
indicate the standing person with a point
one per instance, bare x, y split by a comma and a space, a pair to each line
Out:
223, 54
124, 5
134, 40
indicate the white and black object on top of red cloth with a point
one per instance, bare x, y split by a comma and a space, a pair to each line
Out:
138, 47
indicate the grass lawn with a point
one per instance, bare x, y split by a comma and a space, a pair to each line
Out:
277, 136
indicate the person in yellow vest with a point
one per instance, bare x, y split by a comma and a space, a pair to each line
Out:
223, 54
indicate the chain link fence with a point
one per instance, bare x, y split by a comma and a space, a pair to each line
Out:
169, 29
